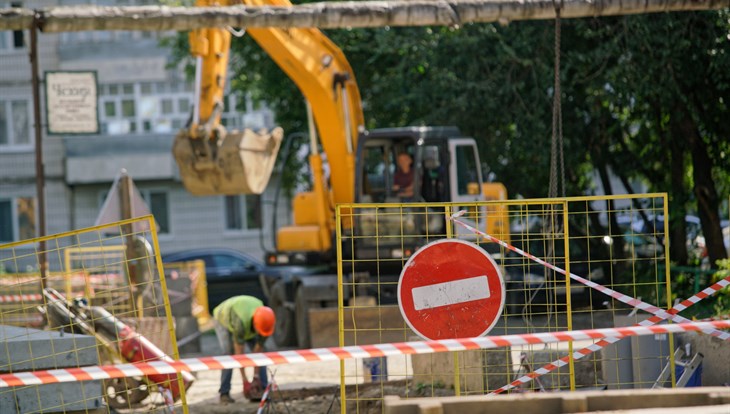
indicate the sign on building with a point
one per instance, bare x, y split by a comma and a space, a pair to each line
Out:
71, 103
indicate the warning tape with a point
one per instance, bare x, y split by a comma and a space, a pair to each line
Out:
658, 313
336, 354
21, 298
633, 302
552, 366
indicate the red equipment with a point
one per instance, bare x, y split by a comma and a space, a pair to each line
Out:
134, 347
131, 346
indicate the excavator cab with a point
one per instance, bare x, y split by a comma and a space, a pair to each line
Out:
443, 169
445, 165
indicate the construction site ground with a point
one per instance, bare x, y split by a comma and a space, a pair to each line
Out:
307, 388
304, 388
314, 387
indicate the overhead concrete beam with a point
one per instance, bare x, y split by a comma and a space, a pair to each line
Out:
332, 15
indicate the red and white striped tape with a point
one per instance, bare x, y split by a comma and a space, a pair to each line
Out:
335, 354
552, 366
633, 302
21, 298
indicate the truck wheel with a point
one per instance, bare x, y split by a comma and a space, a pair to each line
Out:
284, 333
302, 316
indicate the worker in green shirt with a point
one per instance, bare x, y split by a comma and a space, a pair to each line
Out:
242, 323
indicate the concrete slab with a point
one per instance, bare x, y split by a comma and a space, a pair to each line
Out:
52, 398
26, 349
374, 325
479, 371
710, 400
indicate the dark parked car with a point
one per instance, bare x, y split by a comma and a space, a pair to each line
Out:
228, 272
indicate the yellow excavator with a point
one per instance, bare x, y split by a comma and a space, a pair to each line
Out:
361, 164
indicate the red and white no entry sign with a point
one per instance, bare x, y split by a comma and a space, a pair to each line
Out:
451, 289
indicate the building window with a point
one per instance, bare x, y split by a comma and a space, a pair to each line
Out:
6, 221
128, 108
110, 109
145, 88
242, 213
156, 201
166, 106
159, 107
21, 121
234, 216
18, 39
253, 211
12, 40
183, 105
159, 207
4, 125
17, 219
14, 123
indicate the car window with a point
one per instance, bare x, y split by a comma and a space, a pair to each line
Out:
205, 258
231, 262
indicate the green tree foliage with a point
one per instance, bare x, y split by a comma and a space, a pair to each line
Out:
645, 96
660, 92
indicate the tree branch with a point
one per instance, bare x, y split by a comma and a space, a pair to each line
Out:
330, 15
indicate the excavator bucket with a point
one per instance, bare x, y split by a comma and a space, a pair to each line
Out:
240, 162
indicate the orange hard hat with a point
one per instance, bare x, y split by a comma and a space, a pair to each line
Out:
264, 320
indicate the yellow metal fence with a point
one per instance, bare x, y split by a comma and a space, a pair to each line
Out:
608, 240
103, 296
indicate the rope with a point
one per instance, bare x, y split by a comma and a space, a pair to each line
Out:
556, 143
554, 225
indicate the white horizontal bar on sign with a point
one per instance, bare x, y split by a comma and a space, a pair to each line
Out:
450, 293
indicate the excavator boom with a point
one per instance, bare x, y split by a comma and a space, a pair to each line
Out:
324, 76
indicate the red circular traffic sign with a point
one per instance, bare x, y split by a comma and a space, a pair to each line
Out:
451, 289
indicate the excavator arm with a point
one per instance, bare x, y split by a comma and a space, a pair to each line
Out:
211, 159
214, 161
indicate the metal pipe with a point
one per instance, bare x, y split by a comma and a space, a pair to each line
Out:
346, 107
312, 130
198, 82
40, 181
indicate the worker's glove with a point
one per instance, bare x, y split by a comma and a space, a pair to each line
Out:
253, 390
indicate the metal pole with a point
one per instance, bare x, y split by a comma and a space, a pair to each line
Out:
313, 149
132, 257
39, 172
125, 209
198, 87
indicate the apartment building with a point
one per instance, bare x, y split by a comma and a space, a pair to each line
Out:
143, 102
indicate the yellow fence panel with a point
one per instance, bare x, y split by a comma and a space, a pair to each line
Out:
99, 299
195, 271
608, 240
